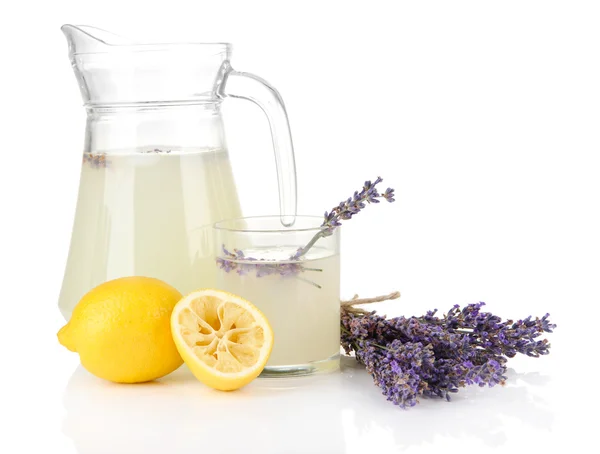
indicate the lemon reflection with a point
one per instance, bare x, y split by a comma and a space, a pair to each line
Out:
178, 414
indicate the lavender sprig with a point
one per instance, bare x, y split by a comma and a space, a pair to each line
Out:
242, 264
434, 357
503, 338
346, 209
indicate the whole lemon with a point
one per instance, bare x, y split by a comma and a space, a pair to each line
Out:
121, 330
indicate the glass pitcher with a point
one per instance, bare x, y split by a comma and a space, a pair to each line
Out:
155, 172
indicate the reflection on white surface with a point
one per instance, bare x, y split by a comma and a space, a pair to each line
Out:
481, 416
179, 414
335, 413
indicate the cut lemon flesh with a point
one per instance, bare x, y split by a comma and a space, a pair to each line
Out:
224, 339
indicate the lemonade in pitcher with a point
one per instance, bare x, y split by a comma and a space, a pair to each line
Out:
148, 212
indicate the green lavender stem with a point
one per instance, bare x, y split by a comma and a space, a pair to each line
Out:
310, 244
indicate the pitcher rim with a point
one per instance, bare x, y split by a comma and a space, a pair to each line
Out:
222, 46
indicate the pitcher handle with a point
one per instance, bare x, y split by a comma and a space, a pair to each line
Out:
236, 84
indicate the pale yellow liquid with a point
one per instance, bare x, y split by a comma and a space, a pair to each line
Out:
148, 214
305, 319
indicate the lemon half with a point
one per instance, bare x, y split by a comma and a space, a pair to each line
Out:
224, 339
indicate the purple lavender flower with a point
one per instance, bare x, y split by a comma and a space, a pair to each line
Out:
396, 369
242, 265
434, 357
488, 331
348, 208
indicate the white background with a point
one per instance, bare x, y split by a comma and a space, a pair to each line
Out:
484, 116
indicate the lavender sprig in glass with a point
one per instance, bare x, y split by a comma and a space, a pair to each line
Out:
242, 265
346, 209
237, 261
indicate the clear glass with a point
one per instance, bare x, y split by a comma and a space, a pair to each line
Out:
300, 297
155, 171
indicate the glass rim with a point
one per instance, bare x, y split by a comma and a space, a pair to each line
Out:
221, 225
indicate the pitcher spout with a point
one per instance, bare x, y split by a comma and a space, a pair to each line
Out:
85, 39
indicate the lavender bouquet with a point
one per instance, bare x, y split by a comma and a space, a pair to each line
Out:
434, 356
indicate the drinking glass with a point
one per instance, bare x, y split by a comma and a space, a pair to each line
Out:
296, 288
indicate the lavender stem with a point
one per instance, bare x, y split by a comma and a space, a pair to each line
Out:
310, 244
